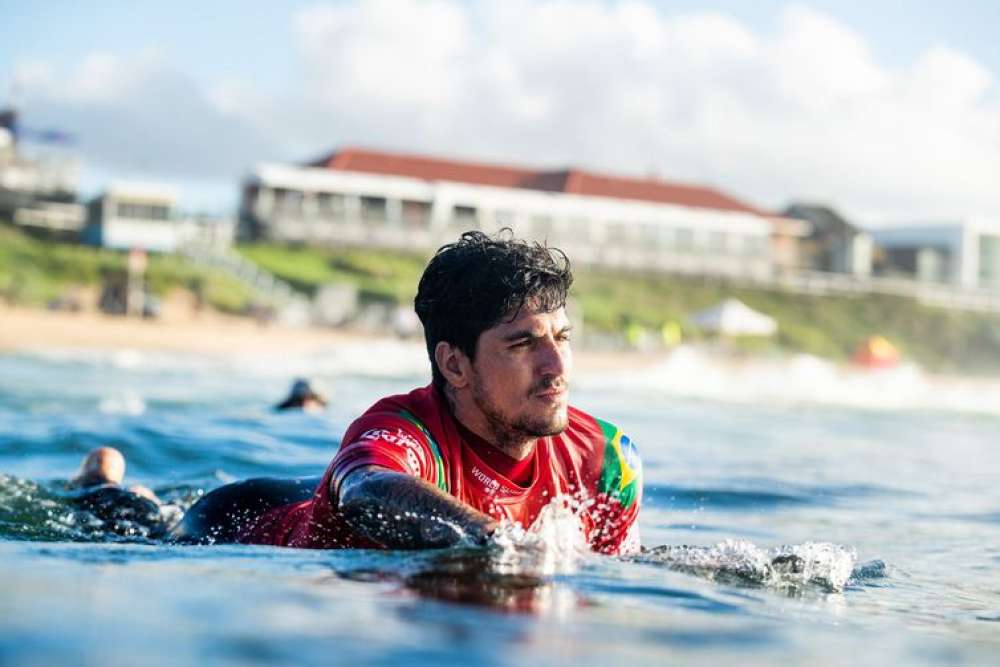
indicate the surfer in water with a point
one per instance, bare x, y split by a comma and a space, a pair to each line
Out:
306, 395
97, 487
492, 438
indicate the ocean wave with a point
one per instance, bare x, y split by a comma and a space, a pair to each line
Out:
769, 494
376, 357
802, 379
792, 568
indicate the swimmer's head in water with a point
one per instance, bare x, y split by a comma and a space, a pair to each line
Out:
471, 285
104, 465
306, 394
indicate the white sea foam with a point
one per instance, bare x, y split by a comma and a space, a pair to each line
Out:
828, 566
125, 403
377, 357
686, 371
698, 373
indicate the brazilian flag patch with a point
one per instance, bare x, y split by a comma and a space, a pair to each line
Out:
621, 472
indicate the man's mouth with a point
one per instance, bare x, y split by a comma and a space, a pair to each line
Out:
551, 392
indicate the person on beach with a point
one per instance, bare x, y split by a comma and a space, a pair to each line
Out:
491, 439
305, 395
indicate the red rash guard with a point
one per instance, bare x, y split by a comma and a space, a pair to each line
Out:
416, 434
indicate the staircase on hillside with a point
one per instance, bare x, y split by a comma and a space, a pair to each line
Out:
289, 307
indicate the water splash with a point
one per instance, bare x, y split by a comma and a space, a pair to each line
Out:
48, 512
788, 567
554, 544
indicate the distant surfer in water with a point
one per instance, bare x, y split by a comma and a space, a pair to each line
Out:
104, 467
97, 488
306, 395
492, 438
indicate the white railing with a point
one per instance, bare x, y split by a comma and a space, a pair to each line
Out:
738, 270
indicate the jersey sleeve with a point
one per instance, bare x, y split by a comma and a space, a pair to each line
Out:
390, 441
620, 490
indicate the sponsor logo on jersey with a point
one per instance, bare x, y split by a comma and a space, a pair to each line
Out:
415, 455
490, 484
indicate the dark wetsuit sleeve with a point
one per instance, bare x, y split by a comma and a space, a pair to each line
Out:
389, 441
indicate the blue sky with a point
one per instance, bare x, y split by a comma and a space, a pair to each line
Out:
210, 39
238, 82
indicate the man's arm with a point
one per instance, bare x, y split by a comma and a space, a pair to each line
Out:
400, 511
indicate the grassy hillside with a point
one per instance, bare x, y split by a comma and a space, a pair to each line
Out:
832, 327
33, 272
379, 275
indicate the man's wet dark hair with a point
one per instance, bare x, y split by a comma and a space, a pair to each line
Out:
471, 285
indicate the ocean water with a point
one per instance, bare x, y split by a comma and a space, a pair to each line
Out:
886, 486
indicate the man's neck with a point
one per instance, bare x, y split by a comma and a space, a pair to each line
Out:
516, 446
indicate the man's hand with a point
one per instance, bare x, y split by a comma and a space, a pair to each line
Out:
400, 511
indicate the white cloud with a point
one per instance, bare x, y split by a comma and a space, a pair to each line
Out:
806, 112
138, 116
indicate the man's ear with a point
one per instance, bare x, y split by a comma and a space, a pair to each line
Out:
453, 364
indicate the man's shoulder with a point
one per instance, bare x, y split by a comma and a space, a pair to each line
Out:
404, 416
584, 424
416, 408
616, 456
418, 401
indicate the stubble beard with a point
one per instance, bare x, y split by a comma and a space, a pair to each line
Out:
510, 434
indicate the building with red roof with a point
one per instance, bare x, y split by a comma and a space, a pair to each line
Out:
359, 196
567, 181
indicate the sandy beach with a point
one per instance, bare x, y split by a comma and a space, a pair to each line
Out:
206, 332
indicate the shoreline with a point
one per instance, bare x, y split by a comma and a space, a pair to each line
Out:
207, 332
184, 330
696, 372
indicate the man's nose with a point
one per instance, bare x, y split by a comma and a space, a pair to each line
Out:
552, 358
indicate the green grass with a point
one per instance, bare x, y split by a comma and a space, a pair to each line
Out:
378, 275
938, 339
35, 271
832, 327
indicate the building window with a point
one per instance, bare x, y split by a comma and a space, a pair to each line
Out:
684, 240
465, 217
667, 237
416, 214
649, 236
142, 211
754, 246
288, 202
330, 205
373, 209
617, 232
717, 242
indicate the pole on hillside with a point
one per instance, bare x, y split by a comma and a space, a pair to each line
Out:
135, 296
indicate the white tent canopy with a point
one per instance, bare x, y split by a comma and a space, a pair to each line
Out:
732, 317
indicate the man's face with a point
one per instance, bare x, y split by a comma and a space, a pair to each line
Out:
520, 376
